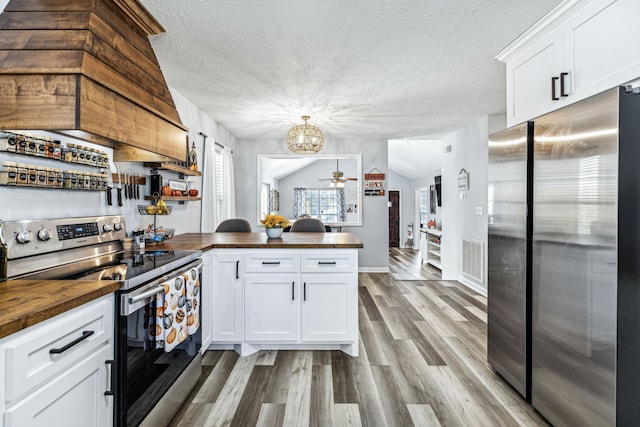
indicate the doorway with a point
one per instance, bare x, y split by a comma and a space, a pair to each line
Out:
394, 219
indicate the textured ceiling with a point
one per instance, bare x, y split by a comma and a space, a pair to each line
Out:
360, 68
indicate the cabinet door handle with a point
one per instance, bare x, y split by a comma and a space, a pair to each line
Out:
110, 391
326, 263
237, 269
270, 262
304, 291
562, 84
85, 335
553, 88
293, 291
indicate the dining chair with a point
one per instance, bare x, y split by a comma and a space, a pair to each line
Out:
231, 225
308, 225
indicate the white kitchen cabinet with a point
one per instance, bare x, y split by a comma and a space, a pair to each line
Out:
579, 49
328, 302
228, 296
74, 399
276, 314
206, 300
272, 307
60, 370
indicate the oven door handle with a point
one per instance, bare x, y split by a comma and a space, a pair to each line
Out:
153, 288
147, 294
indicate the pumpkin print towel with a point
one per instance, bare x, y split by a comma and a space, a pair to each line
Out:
170, 326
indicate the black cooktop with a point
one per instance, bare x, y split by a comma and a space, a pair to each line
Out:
134, 268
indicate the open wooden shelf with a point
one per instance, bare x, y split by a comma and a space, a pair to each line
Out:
175, 198
172, 167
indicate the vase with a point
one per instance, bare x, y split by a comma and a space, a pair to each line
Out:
274, 233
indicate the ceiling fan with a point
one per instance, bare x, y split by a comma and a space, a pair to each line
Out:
337, 178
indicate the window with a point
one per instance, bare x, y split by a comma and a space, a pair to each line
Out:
219, 169
324, 204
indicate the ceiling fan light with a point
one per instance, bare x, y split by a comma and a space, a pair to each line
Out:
305, 138
340, 185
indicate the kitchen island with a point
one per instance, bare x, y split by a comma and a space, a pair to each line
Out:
296, 292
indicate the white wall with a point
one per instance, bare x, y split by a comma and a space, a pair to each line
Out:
374, 230
468, 151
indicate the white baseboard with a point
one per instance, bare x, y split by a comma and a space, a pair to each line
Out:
373, 270
472, 285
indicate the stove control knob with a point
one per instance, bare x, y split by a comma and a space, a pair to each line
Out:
44, 234
24, 237
106, 228
117, 226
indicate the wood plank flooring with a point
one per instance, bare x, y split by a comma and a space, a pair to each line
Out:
406, 264
422, 363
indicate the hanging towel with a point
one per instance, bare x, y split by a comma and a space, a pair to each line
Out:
170, 325
193, 300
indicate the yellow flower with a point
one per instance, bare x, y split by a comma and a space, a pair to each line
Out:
274, 221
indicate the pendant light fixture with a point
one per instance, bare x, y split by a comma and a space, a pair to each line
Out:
305, 138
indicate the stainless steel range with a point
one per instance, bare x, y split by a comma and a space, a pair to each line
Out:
158, 337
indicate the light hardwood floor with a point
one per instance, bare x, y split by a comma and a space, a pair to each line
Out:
422, 362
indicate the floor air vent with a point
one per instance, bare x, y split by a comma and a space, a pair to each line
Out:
473, 259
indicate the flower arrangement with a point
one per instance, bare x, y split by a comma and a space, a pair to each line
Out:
274, 221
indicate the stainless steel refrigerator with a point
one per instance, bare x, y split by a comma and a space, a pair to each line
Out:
577, 296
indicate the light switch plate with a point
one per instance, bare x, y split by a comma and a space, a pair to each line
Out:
479, 210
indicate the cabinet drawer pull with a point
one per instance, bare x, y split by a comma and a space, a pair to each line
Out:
553, 88
562, 84
237, 269
85, 335
270, 262
110, 391
293, 291
326, 263
304, 291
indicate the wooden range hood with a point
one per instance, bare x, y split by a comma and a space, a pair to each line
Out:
85, 68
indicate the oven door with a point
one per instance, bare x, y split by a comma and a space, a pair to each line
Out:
150, 374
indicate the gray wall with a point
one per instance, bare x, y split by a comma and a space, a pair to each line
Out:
374, 232
460, 221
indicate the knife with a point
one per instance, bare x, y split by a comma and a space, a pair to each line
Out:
126, 186
109, 188
137, 186
129, 185
119, 189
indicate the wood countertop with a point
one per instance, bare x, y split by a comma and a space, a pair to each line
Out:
206, 241
24, 303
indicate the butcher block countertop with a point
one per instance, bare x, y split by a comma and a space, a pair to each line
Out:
297, 240
24, 303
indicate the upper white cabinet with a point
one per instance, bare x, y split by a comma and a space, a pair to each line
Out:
579, 49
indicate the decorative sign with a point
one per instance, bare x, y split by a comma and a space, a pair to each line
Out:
463, 180
374, 183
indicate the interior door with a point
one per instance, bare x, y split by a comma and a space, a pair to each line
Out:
394, 219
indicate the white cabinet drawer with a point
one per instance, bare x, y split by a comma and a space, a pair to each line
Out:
328, 262
271, 262
71, 336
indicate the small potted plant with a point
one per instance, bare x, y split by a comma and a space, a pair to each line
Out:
274, 225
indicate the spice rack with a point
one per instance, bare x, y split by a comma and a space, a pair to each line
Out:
24, 175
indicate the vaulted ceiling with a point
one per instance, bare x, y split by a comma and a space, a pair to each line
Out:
360, 68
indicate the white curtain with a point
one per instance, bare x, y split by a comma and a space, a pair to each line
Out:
209, 222
229, 191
